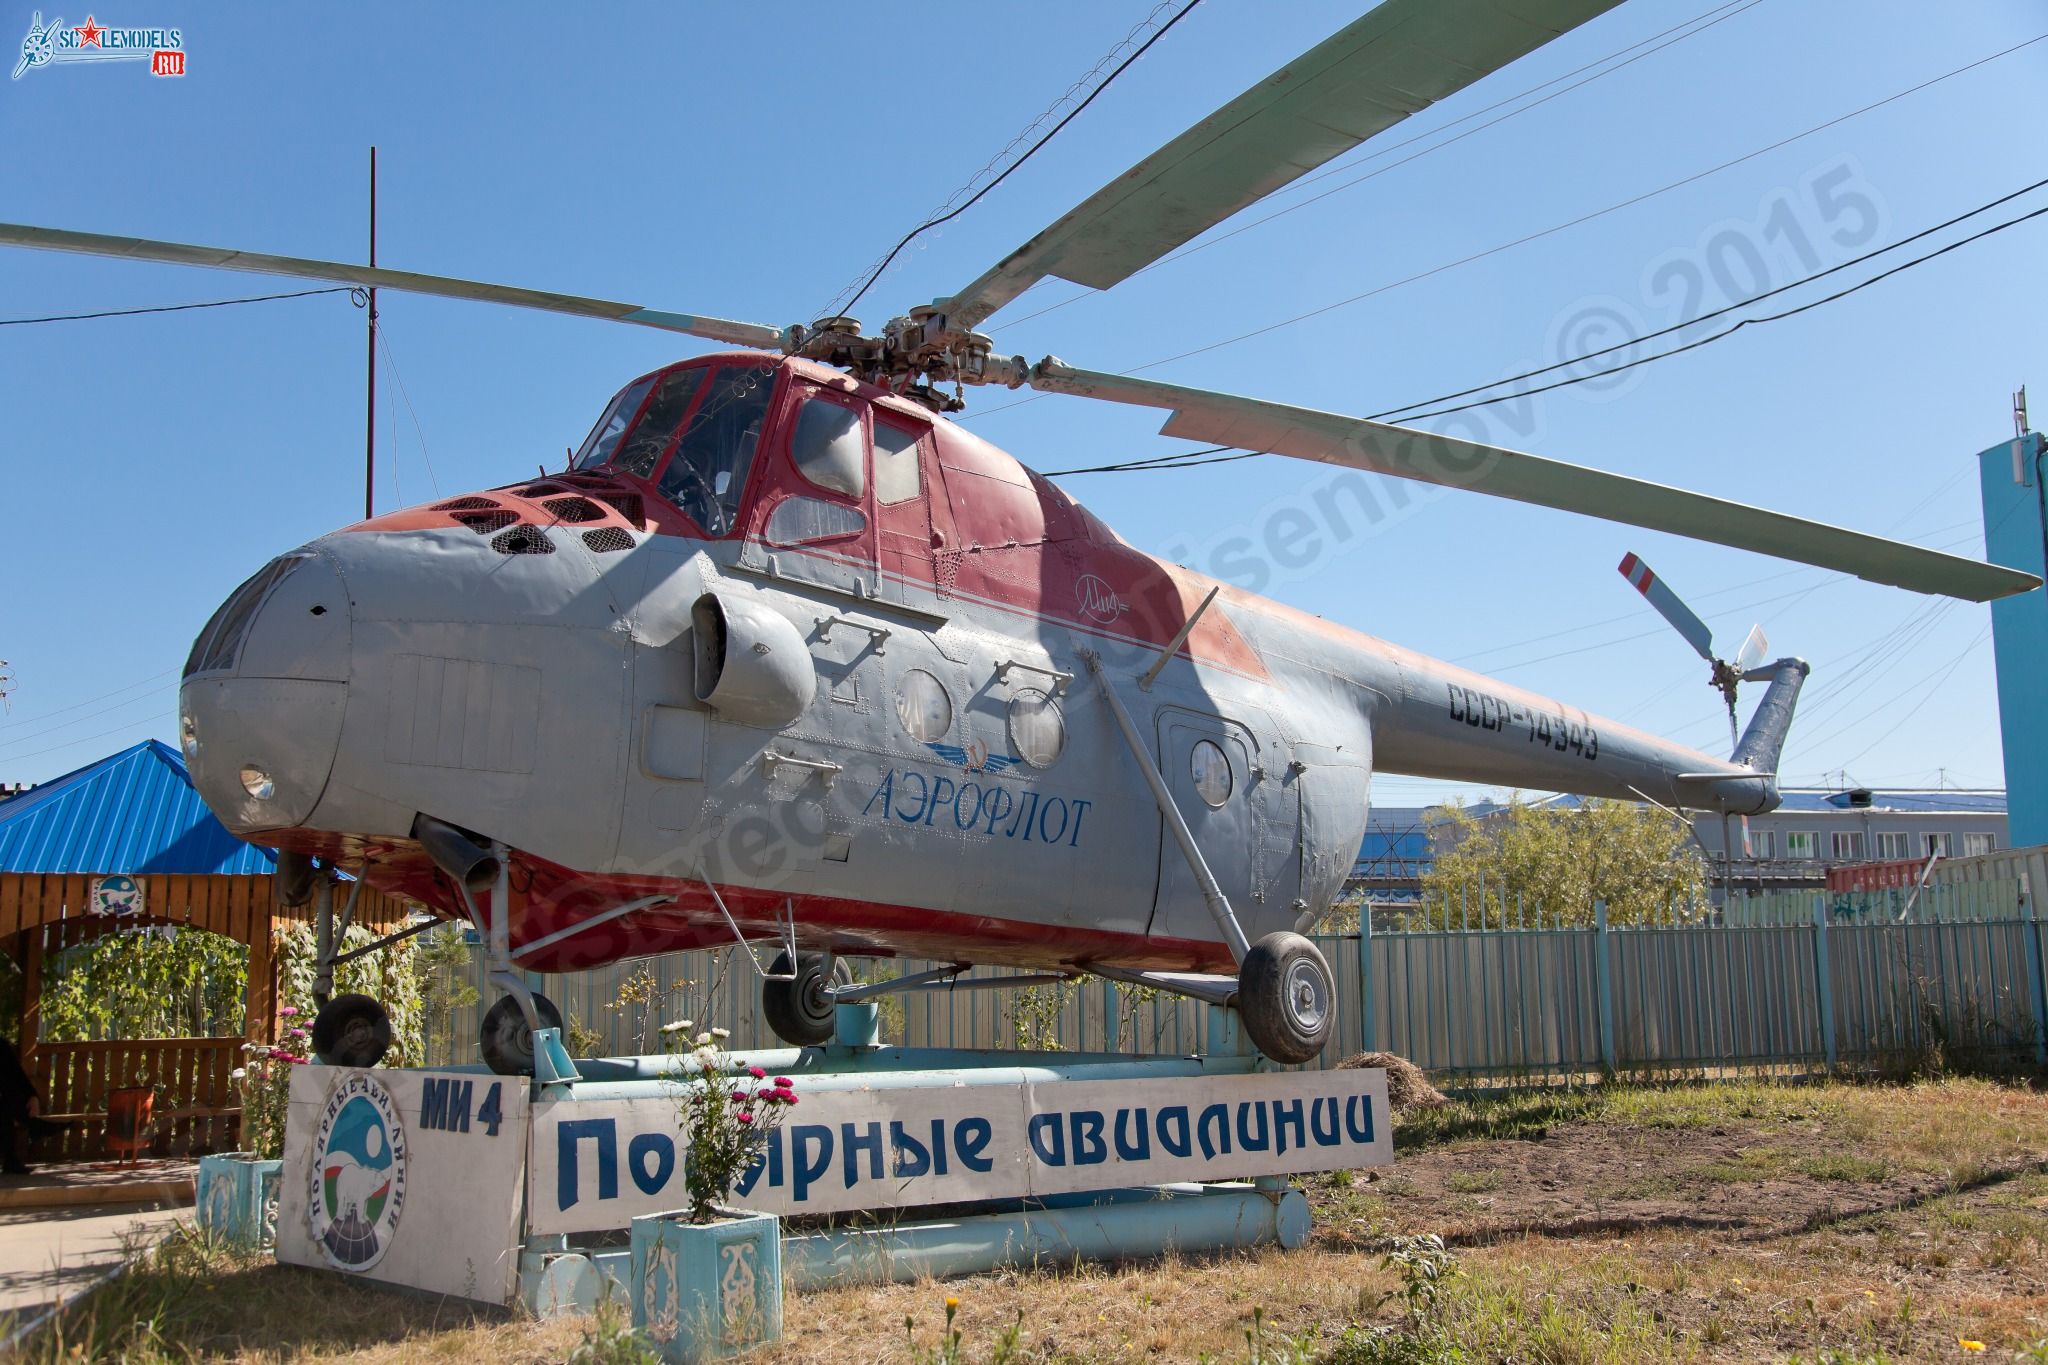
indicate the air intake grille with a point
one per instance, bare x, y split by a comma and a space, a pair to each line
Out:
606, 539
629, 505
483, 523
574, 509
465, 505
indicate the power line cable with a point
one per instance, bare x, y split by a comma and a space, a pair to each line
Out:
1376, 152
1556, 228
1185, 460
1391, 413
1727, 332
181, 307
65, 710
1029, 152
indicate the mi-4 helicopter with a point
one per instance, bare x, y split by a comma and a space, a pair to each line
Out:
785, 657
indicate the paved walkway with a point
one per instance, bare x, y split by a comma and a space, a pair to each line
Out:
47, 1255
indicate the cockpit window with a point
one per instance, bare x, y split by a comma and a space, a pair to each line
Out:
642, 450
604, 437
707, 475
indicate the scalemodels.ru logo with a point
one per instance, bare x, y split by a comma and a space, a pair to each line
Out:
56, 43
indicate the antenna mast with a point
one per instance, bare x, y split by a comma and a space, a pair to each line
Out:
370, 399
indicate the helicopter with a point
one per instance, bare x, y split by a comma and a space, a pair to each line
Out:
784, 657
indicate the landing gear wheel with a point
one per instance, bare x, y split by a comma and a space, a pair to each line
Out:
351, 1030
800, 1011
506, 1041
1286, 997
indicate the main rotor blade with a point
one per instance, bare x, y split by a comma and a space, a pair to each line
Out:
1332, 438
341, 272
1400, 57
1682, 618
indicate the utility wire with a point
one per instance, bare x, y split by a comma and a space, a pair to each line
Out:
1377, 152
1727, 332
1391, 413
180, 307
1556, 228
1029, 152
1186, 459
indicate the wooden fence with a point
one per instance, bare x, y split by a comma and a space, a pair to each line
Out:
197, 1109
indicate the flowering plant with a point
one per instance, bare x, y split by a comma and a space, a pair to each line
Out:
727, 1114
264, 1081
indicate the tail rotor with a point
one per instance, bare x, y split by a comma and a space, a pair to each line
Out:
1728, 674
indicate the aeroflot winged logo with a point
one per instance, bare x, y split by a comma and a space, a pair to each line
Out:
57, 43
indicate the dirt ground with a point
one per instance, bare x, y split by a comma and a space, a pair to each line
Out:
1846, 1224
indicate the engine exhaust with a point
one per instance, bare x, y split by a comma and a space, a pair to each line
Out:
456, 852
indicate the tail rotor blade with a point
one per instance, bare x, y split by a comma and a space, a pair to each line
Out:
1756, 647
1669, 607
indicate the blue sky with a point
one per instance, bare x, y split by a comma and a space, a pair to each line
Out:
751, 161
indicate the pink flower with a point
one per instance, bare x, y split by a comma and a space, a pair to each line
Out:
287, 1011
786, 1096
746, 1117
757, 1073
783, 1082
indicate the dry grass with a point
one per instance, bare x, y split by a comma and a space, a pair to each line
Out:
1837, 1223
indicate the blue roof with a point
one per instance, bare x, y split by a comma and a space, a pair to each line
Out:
133, 812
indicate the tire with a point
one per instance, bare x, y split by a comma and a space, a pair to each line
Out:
1287, 998
351, 1030
799, 1011
506, 1042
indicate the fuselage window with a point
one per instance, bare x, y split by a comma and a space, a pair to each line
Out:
641, 451
1210, 767
707, 476
922, 706
1038, 732
800, 520
828, 448
896, 478
604, 437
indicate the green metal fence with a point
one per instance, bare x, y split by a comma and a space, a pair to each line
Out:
1845, 984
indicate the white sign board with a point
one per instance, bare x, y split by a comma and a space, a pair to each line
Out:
409, 1177
598, 1164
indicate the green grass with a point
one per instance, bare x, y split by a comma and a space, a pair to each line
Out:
1846, 1166
1473, 1182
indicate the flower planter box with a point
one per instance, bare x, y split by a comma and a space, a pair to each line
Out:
703, 1291
236, 1197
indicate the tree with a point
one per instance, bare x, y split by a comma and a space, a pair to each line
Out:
1641, 860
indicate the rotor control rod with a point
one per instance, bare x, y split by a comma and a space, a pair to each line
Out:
1212, 894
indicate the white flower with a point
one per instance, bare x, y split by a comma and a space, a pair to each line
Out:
721, 1033
677, 1027
238, 1073
703, 1040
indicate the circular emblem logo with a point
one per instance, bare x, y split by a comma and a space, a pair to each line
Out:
116, 896
357, 1176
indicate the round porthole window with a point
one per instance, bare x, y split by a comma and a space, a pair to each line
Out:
1210, 767
922, 706
1038, 732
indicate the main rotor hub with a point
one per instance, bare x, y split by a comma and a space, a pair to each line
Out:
914, 352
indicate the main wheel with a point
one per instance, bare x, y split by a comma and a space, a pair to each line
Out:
506, 1040
351, 1030
800, 1011
1287, 997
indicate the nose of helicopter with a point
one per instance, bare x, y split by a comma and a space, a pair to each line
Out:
260, 708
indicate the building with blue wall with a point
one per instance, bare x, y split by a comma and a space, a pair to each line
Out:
2015, 534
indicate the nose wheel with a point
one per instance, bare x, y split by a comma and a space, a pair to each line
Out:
1286, 997
351, 1030
800, 1010
507, 1039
